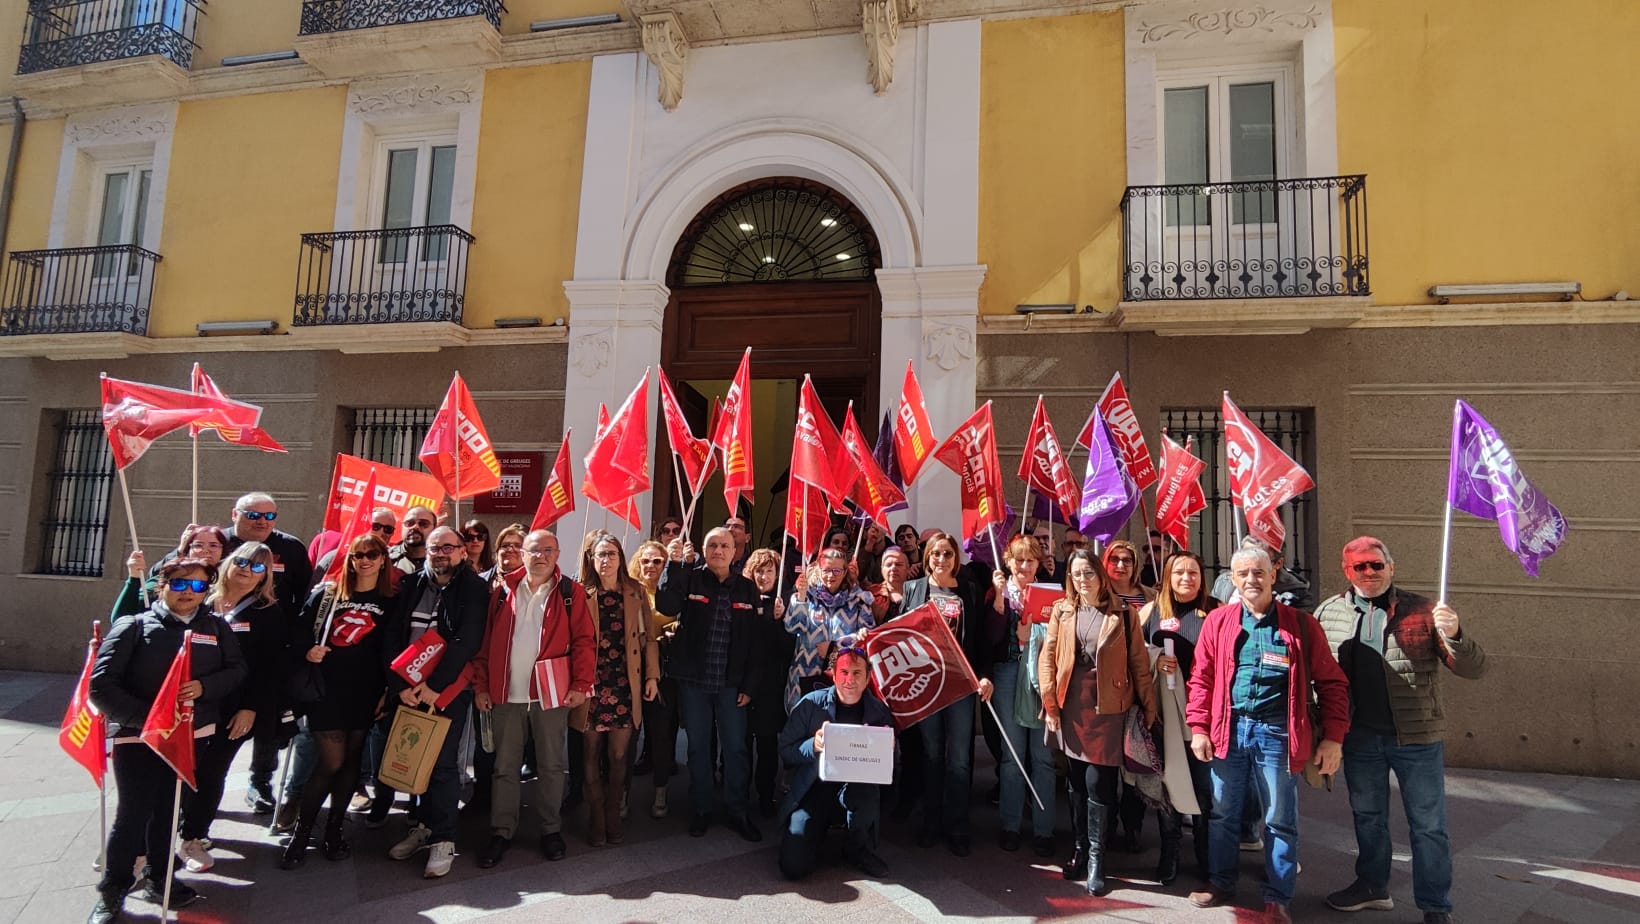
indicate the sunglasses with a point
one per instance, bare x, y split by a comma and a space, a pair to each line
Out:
254, 567
1120, 561
647, 562
445, 549
422, 523
853, 650
1362, 567
367, 555
270, 516
671, 530
195, 585
1075, 543
383, 528
474, 537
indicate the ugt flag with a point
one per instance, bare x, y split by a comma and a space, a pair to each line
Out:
1262, 477
1484, 481
917, 667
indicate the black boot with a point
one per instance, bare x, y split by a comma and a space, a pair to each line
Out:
296, 851
110, 904
335, 845
1076, 868
1167, 864
1097, 825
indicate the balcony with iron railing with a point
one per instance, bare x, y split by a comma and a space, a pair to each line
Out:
80, 52
356, 38
391, 276
78, 290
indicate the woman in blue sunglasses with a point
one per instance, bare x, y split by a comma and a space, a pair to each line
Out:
129, 671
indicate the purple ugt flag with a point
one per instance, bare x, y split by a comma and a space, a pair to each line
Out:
1109, 494
1485, 481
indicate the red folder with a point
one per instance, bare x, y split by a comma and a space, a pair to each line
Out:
552, 681
1039, 600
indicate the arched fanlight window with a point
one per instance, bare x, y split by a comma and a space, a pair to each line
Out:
775, 230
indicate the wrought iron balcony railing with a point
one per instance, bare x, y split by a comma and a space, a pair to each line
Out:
71, 33
324, 16
382, 277
1291, 238
78, 290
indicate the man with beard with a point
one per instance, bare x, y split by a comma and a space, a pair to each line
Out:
411, 550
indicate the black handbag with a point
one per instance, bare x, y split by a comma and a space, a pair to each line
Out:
305, 683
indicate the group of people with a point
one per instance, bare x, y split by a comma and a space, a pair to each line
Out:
1141, 690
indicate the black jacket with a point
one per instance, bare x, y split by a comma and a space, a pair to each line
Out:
135, 657
292, 572
976, 616
263, 632
463, 608
686, 593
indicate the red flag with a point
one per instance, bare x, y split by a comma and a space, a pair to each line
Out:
733, 436
874, 492
396, 488
818, 456
971, 452
1043, 467
243, 436
1179, 495
457, 429
917, 667
627, 509
557, 498
169, 728
1125, 431
617, 467
84, 731
695, 454
806, 516
355, 526
135, 414
1262, 477
914, 439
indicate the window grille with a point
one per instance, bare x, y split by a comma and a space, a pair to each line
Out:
391, 435
76, 521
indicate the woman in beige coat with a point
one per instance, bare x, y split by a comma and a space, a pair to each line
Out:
627, 673
1093, 668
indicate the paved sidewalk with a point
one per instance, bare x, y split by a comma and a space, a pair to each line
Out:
1529, 848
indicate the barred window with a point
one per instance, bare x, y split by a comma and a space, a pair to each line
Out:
391, 435
1213, 532
75, 529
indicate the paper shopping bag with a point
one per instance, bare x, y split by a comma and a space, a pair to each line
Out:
412, 748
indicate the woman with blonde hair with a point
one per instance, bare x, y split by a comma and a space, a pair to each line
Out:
827, 606
1093, 668
1017, 704
660, 732
772, 647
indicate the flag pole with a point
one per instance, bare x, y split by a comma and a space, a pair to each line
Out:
193, 496
1446, 519
677, 481
859, 539
102, 820
171, 850
284, 780
1015, 755
130, 518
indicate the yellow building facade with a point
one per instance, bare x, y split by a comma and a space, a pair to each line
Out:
333, 213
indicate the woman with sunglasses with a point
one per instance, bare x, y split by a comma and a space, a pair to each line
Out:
343, 630
1177, 615
200, 543
628, 672
1093, 668
130, 668
772, 648
660, 731
1121, 562
475, 539
948, 735
827, 606
1024, 557
243, 598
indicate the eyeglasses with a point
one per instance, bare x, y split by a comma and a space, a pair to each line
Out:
366, 555
942, 553
424, 523
540, 553
196, 585
510, 547
445, 549
1361, 567
270, 516
211, 544
606, 554
1075, 543
254, 567
647, 562
1083, 575
382, 528
831, 571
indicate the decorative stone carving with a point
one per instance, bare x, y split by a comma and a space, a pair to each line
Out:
590, 352
1230, 21
116, 127
414, 96
880, 21
949, 345
668, 49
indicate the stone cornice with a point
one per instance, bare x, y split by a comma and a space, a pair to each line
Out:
374, 338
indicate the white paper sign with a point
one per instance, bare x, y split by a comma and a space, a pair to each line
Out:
857, 754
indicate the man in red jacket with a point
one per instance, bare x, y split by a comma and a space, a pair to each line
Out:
536, 615
1249, 716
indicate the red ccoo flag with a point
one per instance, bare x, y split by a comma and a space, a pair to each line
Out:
241, 435
135, 414
557, 499
169, 728
694, 453
1125, 431
1262, 477
732, 437
874, 492
818, 457
914, 439
84, 731
806, 516
1179, 493
457, 446
396, 488
1043, 467
917, 667
971, 452
355, 526
626, 509
617, 467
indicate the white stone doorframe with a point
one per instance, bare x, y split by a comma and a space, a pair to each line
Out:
626, 237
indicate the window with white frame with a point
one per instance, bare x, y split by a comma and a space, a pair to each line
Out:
413, 186
1226, 125
120, 214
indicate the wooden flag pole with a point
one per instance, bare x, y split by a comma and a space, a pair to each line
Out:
171, 851
193, 495
677, 481
1446, 518
130, 518
1015, 755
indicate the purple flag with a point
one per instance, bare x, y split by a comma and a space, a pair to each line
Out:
1109, 495
1484, 481
978, 547
887, 459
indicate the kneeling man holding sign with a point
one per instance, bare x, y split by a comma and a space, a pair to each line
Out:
839, 745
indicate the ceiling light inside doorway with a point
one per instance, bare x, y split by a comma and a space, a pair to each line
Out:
768, 259
844, 256
827, 222
745, 227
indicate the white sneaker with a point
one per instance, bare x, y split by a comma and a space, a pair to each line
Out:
658, 810
439, 859
414, 841
196, 856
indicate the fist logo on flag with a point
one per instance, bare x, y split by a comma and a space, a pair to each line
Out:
908, 671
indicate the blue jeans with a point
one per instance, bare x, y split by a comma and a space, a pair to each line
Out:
1420, 769
857, 803
1256, 764
1033, 750
948, 767
700, 708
